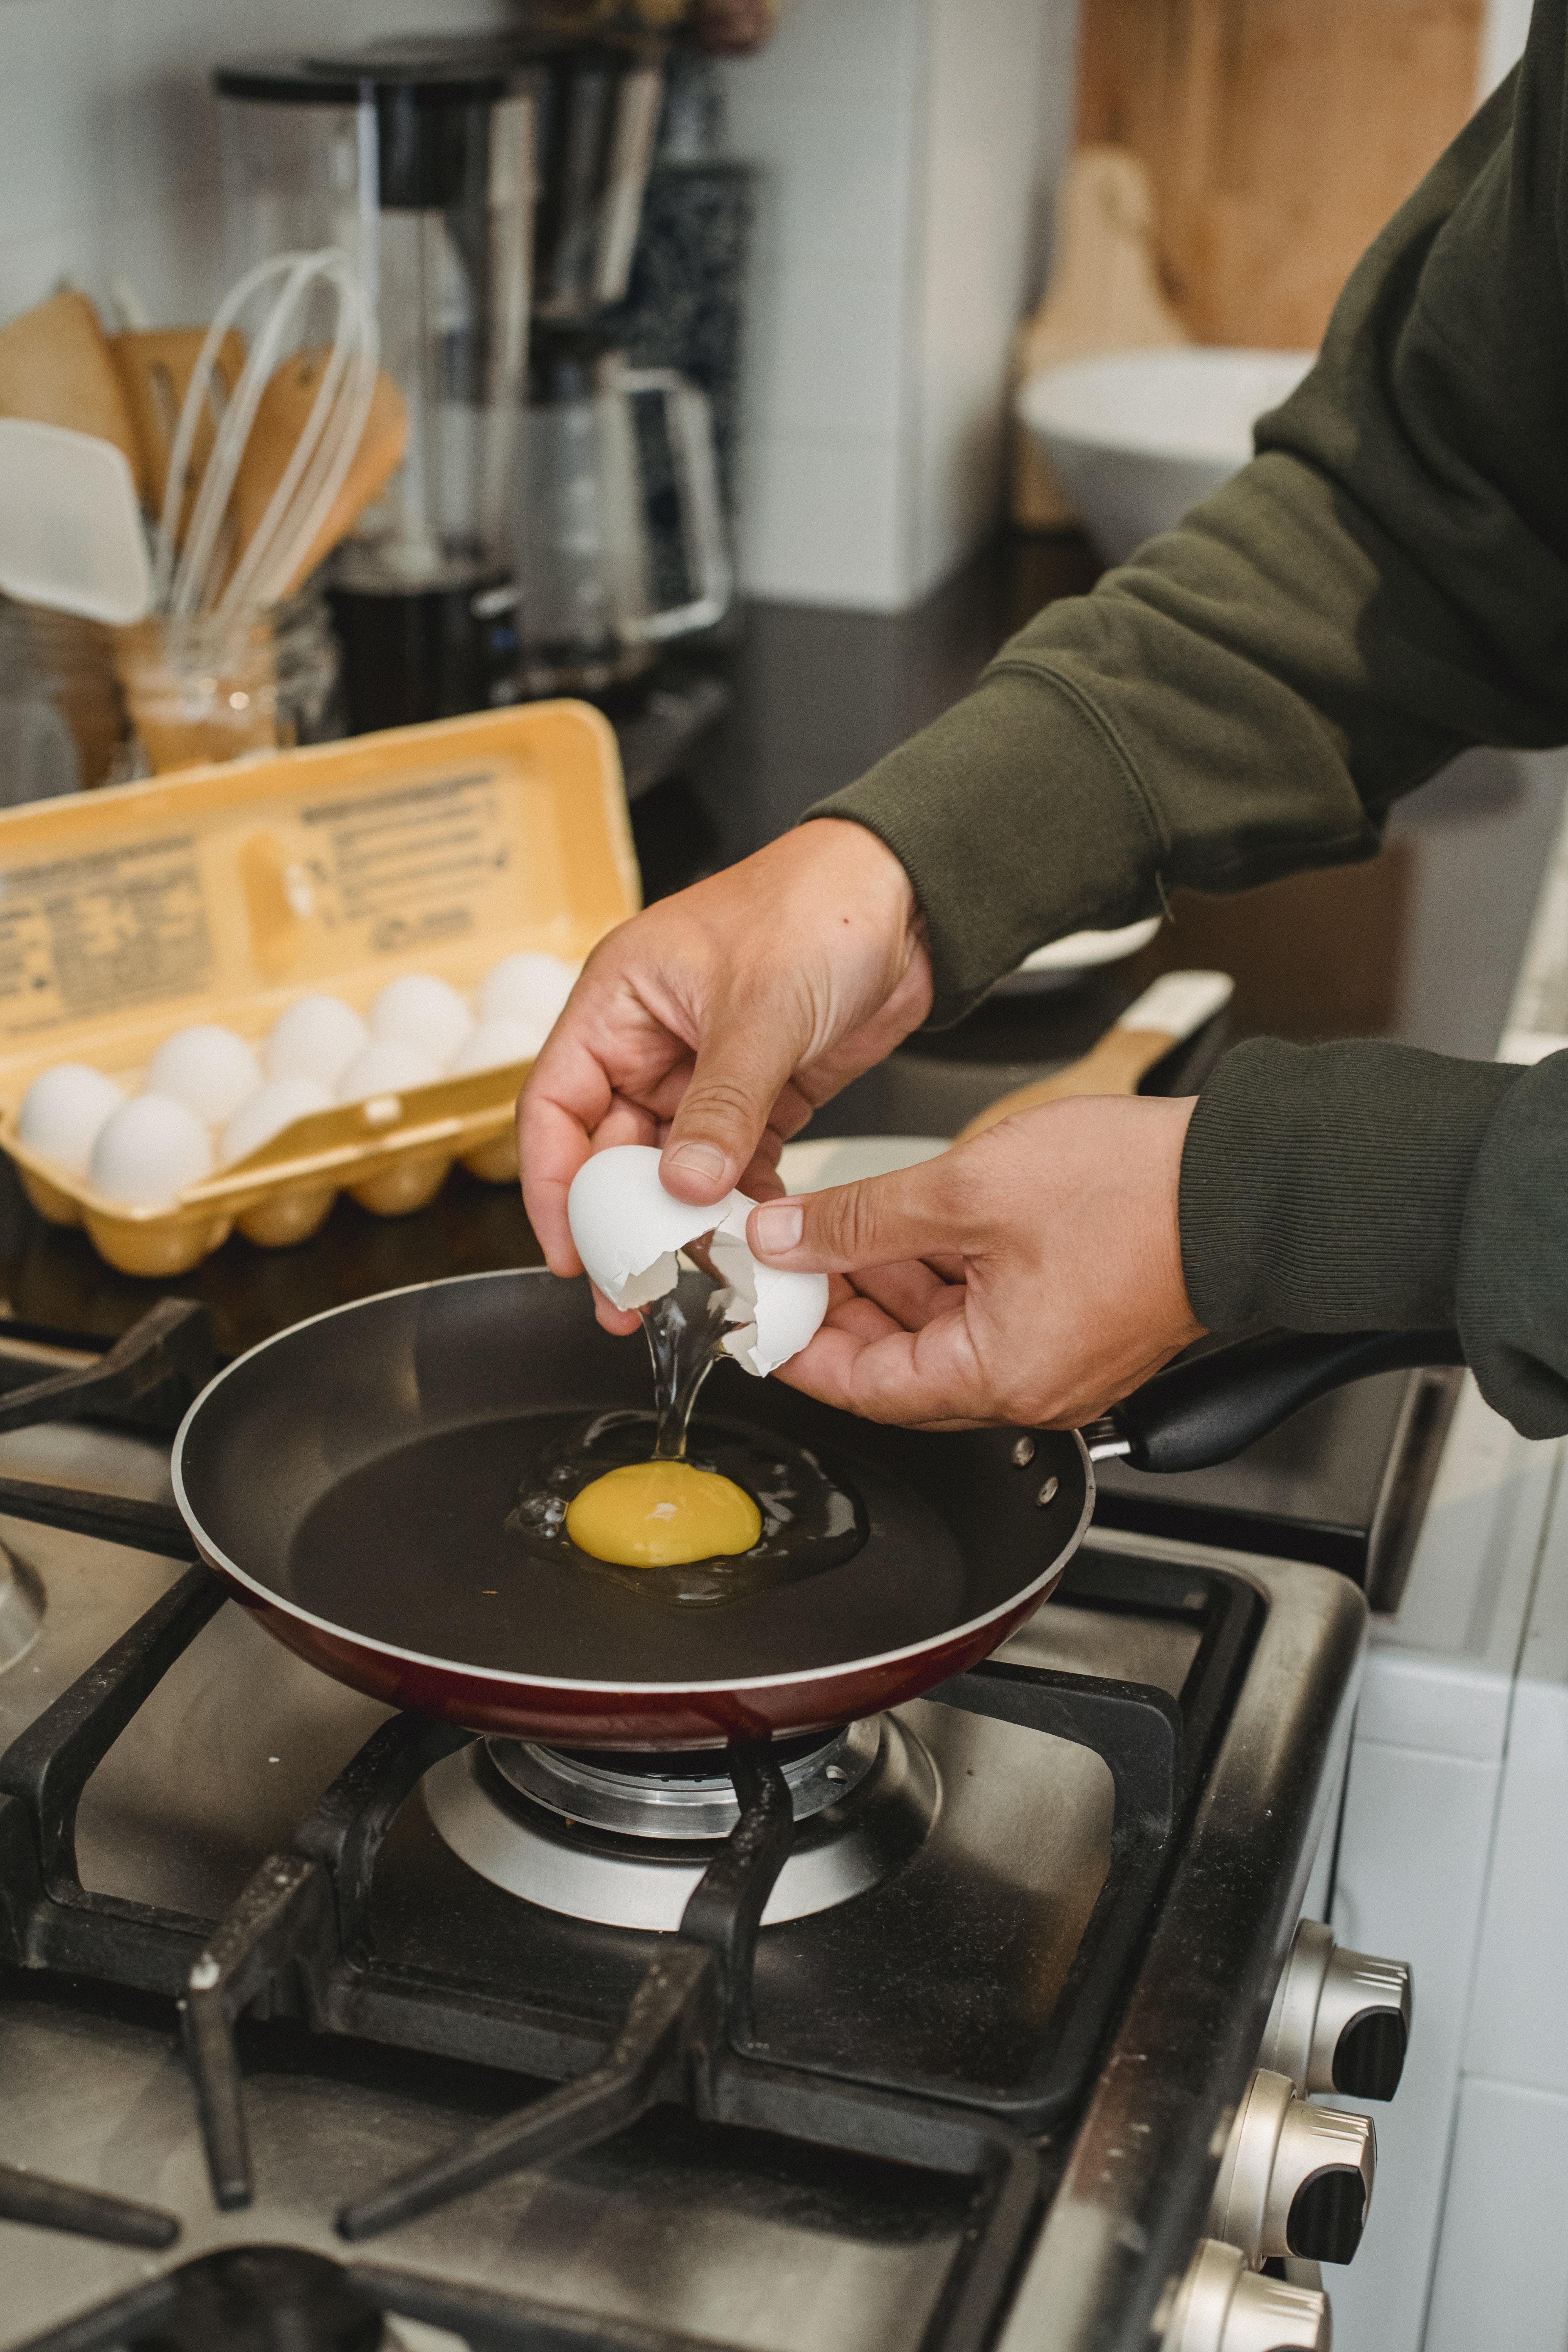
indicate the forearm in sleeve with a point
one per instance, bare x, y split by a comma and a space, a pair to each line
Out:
1381, 586
1356, 1187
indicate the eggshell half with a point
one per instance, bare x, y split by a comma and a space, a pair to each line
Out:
775, 1311
628, 1229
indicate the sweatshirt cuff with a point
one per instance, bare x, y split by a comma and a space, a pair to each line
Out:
1017, 820
1324, 1187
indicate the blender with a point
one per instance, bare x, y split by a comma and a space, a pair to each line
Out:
422, 168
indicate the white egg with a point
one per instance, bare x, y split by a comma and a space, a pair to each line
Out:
531, 989
628, 1229
268, 1111
63, 1113
315, 1037
148, 1150
490, 1044
419, 1010
208, 1068
386, 1067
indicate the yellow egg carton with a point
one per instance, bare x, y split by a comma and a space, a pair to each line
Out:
223, 893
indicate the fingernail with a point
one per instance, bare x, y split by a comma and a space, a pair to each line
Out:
702, 1159
779, 1227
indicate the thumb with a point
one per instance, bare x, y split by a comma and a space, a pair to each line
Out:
914, 1213
745, 1059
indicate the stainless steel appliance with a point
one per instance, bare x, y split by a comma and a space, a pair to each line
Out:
984, 2098
422, 170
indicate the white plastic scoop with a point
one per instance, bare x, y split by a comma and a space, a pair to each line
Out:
70, 527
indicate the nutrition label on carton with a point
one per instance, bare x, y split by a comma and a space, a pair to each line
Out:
410, 864
93, 934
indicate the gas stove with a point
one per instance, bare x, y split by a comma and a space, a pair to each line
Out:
324, 2027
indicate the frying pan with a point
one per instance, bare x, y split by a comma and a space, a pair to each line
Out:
349, 1478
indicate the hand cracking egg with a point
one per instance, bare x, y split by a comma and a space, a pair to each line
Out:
315, 1037
207, 1067
65, 1111
627, 1230
419, 1010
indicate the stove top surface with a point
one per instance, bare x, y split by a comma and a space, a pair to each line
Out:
249, 1985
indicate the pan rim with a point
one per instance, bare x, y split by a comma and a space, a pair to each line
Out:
511, 1676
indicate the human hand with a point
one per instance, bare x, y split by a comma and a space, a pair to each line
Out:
714, 1024
1030, 1276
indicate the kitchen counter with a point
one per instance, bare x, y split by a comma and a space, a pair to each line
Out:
1423, 944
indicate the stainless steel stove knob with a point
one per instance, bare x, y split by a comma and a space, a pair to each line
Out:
1341, 2020
1295, 2178
1222, 2307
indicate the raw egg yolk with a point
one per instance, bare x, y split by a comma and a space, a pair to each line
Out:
662, 1515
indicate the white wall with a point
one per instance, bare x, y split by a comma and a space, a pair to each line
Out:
108, 132
908, 146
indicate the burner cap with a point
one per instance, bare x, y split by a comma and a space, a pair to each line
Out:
851, 1832
264, 2299
680, 1795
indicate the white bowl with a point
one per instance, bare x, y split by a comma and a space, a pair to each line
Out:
1136, 438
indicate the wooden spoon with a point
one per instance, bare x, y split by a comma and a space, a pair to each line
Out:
1174, 1008
154, 366
56, 368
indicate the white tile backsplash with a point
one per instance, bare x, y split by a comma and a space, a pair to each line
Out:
109, 132
905, 145
901, 142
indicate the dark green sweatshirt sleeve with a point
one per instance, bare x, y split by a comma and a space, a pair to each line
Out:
1386, 583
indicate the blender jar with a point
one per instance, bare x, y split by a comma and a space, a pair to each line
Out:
423, 171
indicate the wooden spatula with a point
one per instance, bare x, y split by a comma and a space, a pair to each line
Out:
1174, 1008
56, 369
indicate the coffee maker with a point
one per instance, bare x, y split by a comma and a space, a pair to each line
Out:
423, 169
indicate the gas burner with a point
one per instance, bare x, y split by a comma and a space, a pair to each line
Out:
624, 1840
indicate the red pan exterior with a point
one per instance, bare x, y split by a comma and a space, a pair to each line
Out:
513, 1708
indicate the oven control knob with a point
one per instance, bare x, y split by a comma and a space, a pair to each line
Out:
1295, 2178
1341, 2020
1222, 2307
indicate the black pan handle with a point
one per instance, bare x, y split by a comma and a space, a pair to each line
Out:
1212, 1407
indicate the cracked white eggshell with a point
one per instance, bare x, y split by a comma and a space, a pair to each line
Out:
64, 1111
315, 1037
786, 1308
627, 1230
417, 1009
207, 1067
268, 1111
